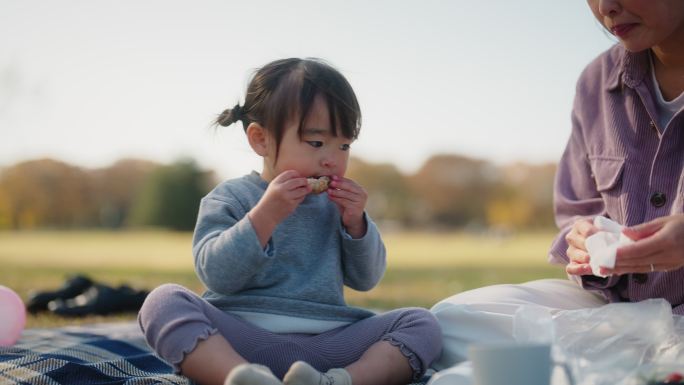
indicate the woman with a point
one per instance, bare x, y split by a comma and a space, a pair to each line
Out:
624, 160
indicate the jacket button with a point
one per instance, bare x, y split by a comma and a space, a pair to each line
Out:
658, 199
640, 277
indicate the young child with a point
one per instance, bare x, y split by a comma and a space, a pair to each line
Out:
275, 256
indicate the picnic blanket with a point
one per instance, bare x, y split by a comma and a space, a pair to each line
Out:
113, 353
98, 354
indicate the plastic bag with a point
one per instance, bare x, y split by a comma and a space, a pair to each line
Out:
613, 344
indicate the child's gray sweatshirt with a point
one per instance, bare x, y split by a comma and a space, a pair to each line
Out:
302, 269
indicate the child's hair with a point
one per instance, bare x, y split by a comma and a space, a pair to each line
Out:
285, 89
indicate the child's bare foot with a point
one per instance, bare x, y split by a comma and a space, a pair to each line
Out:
251, 374
301, 373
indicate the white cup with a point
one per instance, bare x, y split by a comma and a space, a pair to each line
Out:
510, 363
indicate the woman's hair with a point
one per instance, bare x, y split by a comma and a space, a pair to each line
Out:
284, 90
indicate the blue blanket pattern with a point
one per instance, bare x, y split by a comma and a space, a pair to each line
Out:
99, 354
104, 354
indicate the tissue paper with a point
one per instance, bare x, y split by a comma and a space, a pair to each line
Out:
602, 246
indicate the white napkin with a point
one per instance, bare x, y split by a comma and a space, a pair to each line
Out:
603, 245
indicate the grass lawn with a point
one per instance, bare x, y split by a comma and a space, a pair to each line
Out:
422, 267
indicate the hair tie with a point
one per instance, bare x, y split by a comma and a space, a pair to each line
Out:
236, 113
230, 116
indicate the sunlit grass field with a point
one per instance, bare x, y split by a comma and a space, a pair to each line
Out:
422, 267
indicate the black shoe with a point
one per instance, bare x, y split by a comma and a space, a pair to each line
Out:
100, 300
73, 286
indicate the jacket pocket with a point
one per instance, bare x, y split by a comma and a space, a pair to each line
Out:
607, 171
609, 178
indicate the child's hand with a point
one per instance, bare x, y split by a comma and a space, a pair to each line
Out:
351, 200
285, 192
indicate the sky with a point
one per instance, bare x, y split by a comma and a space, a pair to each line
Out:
91, 82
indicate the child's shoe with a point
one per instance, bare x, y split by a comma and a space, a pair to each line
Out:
301, 373
251, 374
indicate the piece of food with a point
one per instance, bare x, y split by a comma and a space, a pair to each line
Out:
674, 378
318, 185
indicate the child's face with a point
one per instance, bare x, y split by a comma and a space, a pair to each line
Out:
318, 153
641, 24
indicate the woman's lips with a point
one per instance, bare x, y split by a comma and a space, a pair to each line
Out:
622, 30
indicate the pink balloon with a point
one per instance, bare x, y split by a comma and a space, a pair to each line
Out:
12, 316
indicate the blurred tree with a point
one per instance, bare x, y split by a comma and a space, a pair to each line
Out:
116, 188
454, 189
448, 191
45, 192
170, 197
389, 196
525, 198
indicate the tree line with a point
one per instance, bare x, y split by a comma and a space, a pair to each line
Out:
447, 192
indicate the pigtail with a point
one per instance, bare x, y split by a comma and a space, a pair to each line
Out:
230, 116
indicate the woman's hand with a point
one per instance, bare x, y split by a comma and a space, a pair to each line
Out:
577, 251
283, 194
351, 200
658, 246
